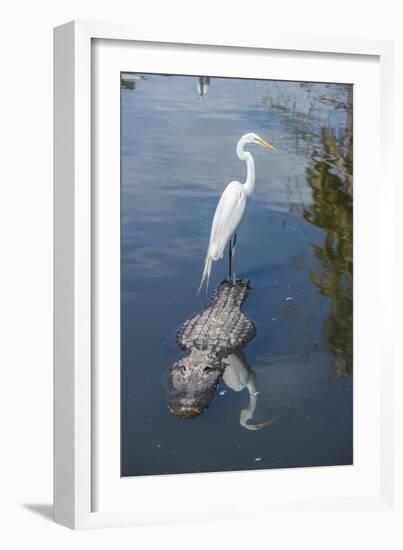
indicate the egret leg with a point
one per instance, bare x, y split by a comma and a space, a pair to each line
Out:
230, 259
233, 259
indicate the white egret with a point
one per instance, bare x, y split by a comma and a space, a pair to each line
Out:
230, 210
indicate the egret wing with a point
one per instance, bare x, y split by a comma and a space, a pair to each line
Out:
227, 217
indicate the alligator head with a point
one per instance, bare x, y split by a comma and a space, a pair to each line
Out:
192, 383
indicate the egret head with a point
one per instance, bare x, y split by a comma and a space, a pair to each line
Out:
254, 138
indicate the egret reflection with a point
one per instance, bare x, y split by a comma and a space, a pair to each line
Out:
238, 375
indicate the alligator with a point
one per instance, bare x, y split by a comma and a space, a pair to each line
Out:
208, 338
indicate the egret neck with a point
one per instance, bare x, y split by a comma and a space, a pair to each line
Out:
249, 185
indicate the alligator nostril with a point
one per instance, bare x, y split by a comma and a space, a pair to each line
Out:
185, 411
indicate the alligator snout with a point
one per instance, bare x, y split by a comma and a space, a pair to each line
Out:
185, 410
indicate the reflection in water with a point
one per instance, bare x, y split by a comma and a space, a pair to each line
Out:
203, 84
304, 110
128, 80
238, 375
330, 178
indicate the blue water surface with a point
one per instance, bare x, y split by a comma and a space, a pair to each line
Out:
294, 245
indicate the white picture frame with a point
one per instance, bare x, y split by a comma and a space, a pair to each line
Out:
77, 472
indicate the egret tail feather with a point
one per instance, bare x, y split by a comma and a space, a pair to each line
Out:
206, 272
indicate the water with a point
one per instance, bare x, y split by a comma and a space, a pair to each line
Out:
294, 245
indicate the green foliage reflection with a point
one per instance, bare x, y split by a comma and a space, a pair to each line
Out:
331, 180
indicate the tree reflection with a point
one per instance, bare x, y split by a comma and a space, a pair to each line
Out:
331, 180
128, 80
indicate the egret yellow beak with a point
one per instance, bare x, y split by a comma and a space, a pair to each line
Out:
266, 422
266, 144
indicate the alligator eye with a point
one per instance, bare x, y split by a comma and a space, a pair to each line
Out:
207, 369
183, 368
